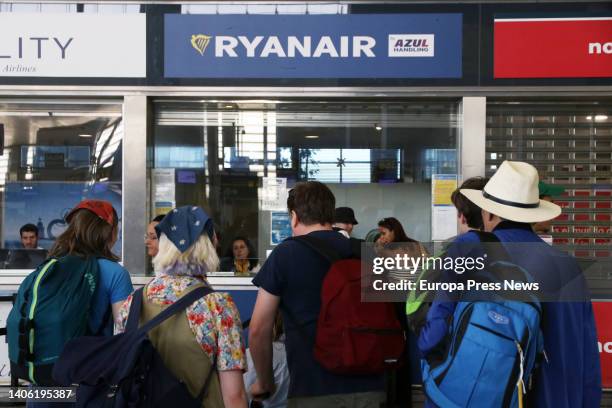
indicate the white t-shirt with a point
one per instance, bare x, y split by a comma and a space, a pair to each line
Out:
281, 376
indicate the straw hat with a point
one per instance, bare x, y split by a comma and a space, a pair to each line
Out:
512, 194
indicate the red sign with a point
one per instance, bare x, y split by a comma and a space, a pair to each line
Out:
553, 48
603, 321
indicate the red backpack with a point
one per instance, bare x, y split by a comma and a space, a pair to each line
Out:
353, 337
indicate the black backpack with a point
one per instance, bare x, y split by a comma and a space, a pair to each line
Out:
125, 370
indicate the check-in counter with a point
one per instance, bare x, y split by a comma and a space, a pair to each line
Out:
241, 289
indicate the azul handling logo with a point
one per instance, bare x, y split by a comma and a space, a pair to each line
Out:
411, 45
285, 47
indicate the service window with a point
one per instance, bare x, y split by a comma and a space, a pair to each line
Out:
237, 160
52, 155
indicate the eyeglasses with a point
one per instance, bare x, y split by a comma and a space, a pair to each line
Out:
150, 237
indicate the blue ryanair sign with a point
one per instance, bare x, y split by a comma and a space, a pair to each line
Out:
313, 46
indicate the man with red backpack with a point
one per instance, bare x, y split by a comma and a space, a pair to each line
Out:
297, 278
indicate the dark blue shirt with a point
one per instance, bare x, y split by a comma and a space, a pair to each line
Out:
572, 375
295, 273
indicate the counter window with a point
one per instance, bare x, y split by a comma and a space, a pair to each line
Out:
237, 160
52, 155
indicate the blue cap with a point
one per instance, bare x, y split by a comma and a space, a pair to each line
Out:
184, 225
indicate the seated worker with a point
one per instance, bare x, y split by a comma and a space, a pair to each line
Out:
240, 258
29, 236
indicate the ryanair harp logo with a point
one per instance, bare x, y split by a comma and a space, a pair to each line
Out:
200, 42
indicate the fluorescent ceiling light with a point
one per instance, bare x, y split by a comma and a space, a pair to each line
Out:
84, 135
601, 118
311, 137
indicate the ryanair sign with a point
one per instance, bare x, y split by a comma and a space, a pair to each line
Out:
339, 46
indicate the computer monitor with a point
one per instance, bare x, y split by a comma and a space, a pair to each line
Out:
25, 258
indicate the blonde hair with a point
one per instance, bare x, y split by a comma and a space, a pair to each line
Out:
200, 257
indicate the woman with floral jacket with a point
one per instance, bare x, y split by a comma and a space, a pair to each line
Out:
204, 346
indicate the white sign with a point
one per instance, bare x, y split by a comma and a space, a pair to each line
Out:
411, 45
164, 188
443, 212
274, 194
443, 223
73, 45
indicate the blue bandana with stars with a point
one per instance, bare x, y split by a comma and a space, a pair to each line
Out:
184, 225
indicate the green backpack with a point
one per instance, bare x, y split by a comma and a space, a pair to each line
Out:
52, 307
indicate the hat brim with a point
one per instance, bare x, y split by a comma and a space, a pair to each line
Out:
544, 212
347, 221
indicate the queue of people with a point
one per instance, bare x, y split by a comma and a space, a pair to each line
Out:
204, 345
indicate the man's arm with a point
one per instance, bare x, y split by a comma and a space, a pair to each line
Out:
436, 326
592, 369
260, 341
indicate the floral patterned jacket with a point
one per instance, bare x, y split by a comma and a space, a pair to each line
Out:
214, 319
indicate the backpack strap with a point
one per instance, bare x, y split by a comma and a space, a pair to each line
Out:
204, 391
135, 308
106, 321
26, 321
484, 236
319, 246
178, 306
497, 251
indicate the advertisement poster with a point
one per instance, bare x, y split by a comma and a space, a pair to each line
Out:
280, 227
46, 204
443, 212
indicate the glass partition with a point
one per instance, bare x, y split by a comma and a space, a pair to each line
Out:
52, 155
237, 159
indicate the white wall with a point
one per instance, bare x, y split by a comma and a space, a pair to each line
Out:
409, 203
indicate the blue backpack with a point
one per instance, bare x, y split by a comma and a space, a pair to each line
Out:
52, 306
492, 349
